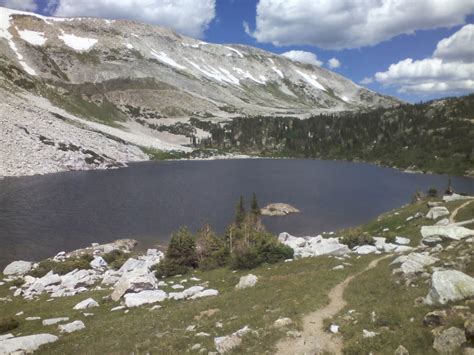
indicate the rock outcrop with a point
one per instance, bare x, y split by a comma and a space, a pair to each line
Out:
247, 281
17, 268
25, 344
278, 209
450, 285
313, 246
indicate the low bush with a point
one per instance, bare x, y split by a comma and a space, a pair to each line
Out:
180, 256
265, 249
7, 324
356, 238
170, 267
62, 267
115, 259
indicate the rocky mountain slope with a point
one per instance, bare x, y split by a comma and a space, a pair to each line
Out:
145, 80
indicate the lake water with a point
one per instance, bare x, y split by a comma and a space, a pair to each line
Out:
42, 215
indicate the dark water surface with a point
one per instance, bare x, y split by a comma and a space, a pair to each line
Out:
42, 215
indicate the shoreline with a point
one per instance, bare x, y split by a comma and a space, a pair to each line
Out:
236, 157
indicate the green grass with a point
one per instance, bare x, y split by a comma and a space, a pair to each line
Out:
284, 290
398, 317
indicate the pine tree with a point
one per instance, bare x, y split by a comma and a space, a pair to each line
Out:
240, 212
254, 208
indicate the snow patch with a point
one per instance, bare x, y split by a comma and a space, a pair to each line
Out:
271, 60
78, 43
33, 37
235, 51
312, 79
344, 98
278, 71
163, 57
247, 75
129, 46
190, 45
221, 75
4, 26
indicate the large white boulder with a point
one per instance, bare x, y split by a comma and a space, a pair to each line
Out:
26, 344
87, 303
110, 277
380, 243
71, 327
402, 240
450, 285
450, 231
50, 279
79, 278
16, 268
226, 343
144, 297
190, 292
313, 246
98, 263
436, 212
206, 293
326, 246
247, 281
366, 249
134, 281
52, 321
416, 262
132, 264
456, 197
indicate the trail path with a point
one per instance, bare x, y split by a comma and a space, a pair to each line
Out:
314, 339
455, 212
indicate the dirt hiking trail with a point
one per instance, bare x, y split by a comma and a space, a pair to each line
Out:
314, 339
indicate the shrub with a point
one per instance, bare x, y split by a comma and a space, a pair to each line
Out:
170, 267
182, 248
211, 250
115, 259
274, 253
432, 192
390, 239
355, 239
62, 267
265, 249
245, 259
7, 324
180, 255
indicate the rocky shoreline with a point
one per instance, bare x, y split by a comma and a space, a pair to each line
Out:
133, 283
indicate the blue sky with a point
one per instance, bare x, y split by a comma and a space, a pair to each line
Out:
365, 45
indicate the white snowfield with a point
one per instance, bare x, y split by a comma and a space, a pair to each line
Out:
33, 37
311, 79
4, 26
163, 57
278, 71
235, 51
78, 43
246, 75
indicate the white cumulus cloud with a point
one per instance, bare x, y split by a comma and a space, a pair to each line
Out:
334, 63
458, 47
337, 24
189, 17
367, 81
449, 70
25, 5
303, 57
